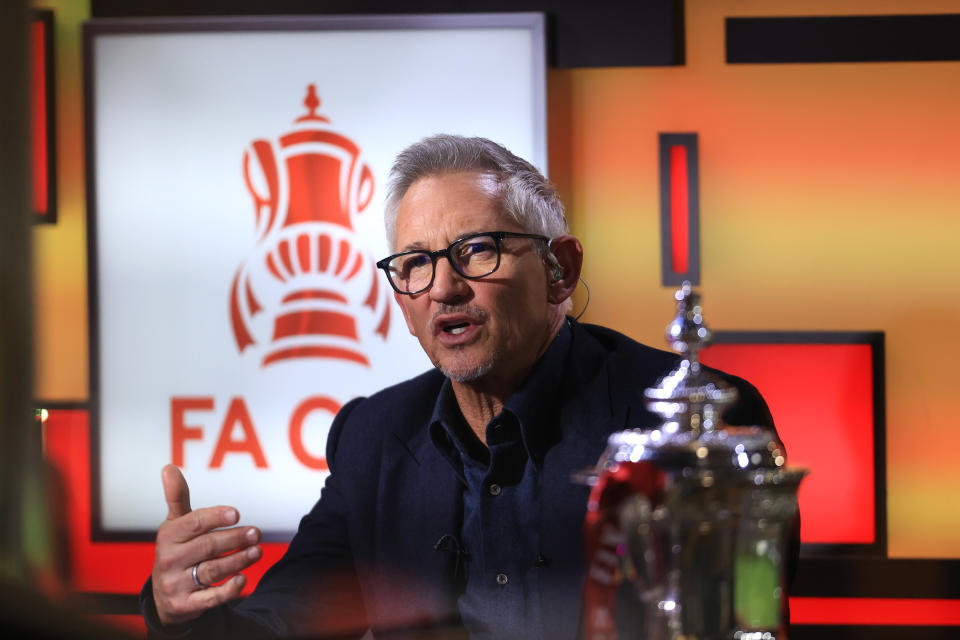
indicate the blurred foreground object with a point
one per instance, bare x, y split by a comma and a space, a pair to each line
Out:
687, 524
23, 531
29, 569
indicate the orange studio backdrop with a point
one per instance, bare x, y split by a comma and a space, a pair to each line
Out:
828, 201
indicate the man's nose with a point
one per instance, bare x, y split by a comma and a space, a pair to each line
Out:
448, 285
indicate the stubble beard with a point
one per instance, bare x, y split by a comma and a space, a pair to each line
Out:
470, 372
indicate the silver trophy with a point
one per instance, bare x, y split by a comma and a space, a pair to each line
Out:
688, 523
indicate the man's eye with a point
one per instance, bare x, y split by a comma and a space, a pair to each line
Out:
477, 248
411, 263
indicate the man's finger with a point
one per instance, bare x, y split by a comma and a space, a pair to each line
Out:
194, 604
198, 522
176, 491
208, 598
217, 543
213, 571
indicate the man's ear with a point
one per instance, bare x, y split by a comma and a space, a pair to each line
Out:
399, 298
569, 254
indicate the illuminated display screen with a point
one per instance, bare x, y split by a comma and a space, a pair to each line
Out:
237, 214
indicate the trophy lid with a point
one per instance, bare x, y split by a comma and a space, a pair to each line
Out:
728, 448
691, 400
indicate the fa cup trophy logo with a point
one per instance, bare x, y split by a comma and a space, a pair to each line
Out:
307, 289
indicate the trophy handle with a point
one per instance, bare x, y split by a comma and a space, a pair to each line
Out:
365, 188
263, 202
609, 564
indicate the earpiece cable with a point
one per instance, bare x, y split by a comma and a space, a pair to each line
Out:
585, 304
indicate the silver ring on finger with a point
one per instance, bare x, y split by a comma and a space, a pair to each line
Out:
196, 579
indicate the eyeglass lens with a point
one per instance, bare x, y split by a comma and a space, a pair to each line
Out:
472, 257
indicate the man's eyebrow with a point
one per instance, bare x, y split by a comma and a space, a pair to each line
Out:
414, 246
474, 232
425, 246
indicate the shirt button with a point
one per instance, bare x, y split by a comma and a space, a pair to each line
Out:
501, 579
495, 490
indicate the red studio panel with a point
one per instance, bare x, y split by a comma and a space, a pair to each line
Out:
38, 115
824, 412
42, 129
679, 208
875, 611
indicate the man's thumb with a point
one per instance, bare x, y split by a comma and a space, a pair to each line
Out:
176, 491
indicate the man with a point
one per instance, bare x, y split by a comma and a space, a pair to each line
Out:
449, 500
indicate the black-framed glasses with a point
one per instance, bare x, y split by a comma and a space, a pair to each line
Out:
474, 256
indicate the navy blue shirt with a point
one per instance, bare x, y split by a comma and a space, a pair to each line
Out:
499, 543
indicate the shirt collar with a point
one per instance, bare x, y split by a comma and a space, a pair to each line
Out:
535, 406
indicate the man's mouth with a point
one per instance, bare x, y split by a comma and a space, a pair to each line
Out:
457, 328
454, 325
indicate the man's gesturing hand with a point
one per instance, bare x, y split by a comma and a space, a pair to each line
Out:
186, 539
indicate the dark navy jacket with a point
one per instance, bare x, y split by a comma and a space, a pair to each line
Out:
364, 555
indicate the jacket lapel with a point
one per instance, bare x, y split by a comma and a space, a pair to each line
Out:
420, 502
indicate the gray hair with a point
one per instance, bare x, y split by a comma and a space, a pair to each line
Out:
524, 193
